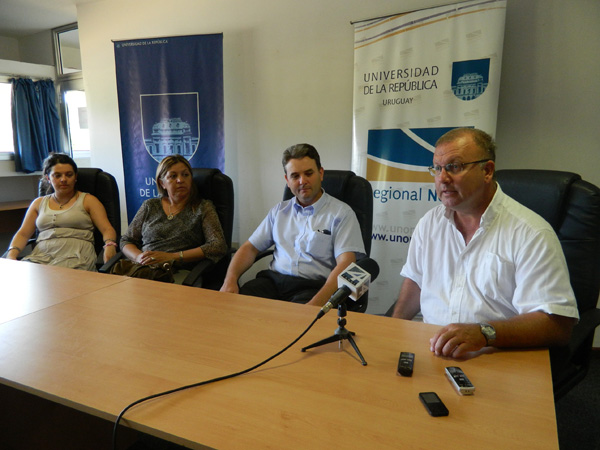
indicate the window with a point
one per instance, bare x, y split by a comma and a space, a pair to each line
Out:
77, 118
77, 123
6, 132
70, 98
67, 55
70, 92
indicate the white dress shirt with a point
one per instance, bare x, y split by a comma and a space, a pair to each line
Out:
514, 264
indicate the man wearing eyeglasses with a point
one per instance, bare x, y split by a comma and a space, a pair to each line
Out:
487, 269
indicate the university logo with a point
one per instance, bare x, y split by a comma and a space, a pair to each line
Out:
470, 78
170, 124
402, 154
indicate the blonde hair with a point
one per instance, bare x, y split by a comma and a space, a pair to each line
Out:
163, 168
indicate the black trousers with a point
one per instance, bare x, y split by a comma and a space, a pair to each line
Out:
271, 284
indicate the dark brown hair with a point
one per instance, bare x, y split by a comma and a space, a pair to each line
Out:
51, 160
300, 151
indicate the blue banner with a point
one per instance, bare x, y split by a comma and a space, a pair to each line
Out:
170, 93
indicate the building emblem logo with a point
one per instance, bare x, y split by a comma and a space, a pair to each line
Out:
170, 124
470, 78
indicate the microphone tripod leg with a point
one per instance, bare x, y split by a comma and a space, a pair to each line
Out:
328, 340
340, 334
355, 347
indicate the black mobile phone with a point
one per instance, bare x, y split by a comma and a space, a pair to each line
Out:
433, 404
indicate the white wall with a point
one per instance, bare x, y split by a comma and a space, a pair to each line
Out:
288, 78
9, 48
288, 69
550, 89
35, 71
37, 48
288, 73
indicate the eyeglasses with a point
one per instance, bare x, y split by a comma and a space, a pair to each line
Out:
453, 168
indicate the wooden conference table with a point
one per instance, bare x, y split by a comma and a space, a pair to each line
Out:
98, 348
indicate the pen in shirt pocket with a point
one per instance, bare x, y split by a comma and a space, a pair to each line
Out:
324, 231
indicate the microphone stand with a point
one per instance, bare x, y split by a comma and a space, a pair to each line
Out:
340, 334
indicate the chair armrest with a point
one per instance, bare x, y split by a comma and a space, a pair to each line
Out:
264, 254
588, 322
26, 250
196, 274
110, 263
259, 256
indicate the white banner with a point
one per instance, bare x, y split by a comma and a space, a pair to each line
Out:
416, 76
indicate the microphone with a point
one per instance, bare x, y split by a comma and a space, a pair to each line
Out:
353, 282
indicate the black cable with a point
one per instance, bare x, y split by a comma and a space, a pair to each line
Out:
202, 383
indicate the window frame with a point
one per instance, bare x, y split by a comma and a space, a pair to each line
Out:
62, 88
65, 82
7, 156
58, 57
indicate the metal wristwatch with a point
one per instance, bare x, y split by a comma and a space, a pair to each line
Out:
489, 332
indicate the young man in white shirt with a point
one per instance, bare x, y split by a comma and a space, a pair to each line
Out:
315, 236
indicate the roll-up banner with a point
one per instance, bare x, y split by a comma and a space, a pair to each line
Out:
416, 76
170, 93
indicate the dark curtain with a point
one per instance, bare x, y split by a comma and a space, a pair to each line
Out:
36, 124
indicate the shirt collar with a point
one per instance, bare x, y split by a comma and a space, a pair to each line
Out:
493, 208
310, 209
490, 212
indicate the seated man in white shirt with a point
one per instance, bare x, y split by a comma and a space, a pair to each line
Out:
315, 235
491, 271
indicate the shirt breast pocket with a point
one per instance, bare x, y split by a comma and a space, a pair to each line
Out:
320, 246
496, 277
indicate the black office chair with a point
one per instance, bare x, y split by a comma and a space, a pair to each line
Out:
218, 187
103, 186
357, 192
214, 185
572, 207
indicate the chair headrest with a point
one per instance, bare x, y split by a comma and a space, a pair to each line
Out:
335, 183
543, 191
86, 180
203, 178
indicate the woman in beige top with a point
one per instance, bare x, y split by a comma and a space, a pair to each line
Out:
65, 219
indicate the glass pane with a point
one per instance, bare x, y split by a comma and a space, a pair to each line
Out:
79, 133
6, 132
70, 56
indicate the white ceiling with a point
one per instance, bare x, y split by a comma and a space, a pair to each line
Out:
20, 18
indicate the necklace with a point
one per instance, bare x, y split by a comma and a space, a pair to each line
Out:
60, 205
172, 214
